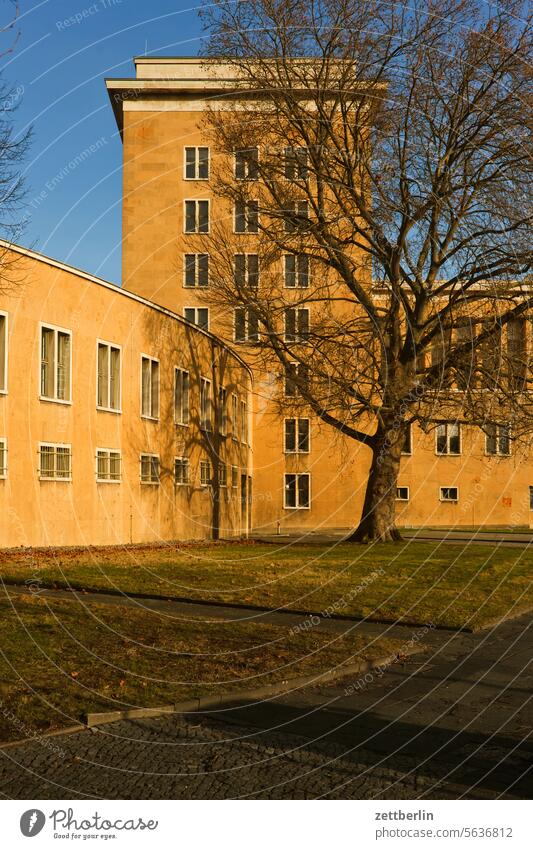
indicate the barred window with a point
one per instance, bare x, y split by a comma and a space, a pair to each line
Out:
108, 465
181, 470
55, 364
55, 462
150, 468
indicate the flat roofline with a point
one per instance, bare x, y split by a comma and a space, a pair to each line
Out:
118, 290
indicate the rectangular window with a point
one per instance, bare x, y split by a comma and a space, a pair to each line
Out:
222, 474
449, 493
448, 439
150, 468
181, 396
296, 271
108, 377
234, 407
55, 364
149, 387
196, 216
297, 491
247, 216
407, 447
181, 471
234, 477
206, 422
108, 465
296, 379
516, 353
531, 497
198, 316
246, 164
3, 459
196, 271
3, 352
55, 462
498, 440
222, 416
296, 436
244, 423
205, 473
296, 163
297, 216
246, 325
196, 163
246, 271
402, 493
296, 324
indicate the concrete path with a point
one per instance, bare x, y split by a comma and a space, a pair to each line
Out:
455, 722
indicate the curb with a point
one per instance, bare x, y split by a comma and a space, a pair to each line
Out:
219, 703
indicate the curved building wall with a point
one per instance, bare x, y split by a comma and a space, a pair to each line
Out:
87, 460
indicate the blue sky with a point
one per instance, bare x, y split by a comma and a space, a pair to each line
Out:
57, 69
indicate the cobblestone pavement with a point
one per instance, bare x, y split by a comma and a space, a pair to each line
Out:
453, 722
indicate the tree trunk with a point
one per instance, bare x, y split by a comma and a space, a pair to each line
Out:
377, 523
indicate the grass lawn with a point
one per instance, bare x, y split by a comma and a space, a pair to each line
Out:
425, 582
60, 659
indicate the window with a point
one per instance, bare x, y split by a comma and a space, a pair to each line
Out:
246, 164
449, 493
296, 436
296, 271
531, 497
247, 216
181, 471
296, 379
150, 468
108, 465
448, 439
181, 396
196, 163
407, 447
402, 493
296, 163
498, 439
108, 377
246, 325
296, 324
297, 216
198, 316
222, 416
246, 271
55, 364
222, 474
297, 491
205, 404
3, 459
234, 477
3, 352
205, 473
234, 406
149, 388
196, 270
516, 352
244, 423
55, 462
197, 216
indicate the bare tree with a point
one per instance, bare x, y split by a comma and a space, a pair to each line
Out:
381, 153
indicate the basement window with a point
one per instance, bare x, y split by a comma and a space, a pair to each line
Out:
449, 493
402, 493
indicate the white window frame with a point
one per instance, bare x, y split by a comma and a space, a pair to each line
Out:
234, 416
186, 465
246, 164
3, 460
399, 498
55, 477
297, 164
497, 437
43, 325
295, 212
152, 457
296, 393
243, 422
109, 345
196, 148
4, 387
195, 322
297, 506
297, 272
246, 231
206, 404
223, 475
296, 419
205, 481
247, 255
150, 417
196, 232
234, 477
448, 453
222, 412
109, 451
185, 419
247, 340
298, 340
448, 500
196, 284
